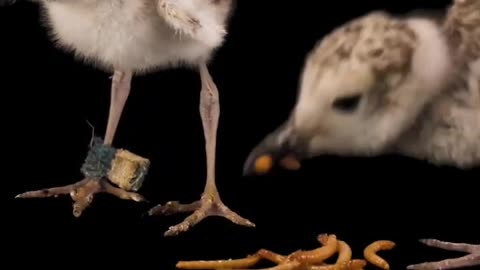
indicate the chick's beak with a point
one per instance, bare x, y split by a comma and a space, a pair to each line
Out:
268, 154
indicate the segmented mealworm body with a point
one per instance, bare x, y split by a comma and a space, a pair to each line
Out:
318, 255
344, 250
350, 265
303, 260
286, 265
370, 253
220, 264
271, 256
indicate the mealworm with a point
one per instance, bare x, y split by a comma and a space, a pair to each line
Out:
292, 265
272, 256
318, 255
350, 265
263, 164
370, 253
322, 238
220, 264
344, 250
290, 163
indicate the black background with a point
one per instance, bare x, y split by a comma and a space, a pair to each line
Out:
53, 96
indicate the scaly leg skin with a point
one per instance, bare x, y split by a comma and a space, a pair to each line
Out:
471, 259
210, 203
82, 192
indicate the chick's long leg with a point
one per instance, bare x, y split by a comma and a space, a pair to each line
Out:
210, 203
120, 90
82, 192
471, 259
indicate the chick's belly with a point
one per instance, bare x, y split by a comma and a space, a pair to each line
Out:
143, 54
129, 47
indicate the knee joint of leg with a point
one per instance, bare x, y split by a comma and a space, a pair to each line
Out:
210, 98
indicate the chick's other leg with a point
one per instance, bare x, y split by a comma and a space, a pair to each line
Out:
120, 90
471, 259
210, 203
82, 192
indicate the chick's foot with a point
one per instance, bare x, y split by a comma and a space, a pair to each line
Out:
210, 204
103, 167
82, 193
472, 258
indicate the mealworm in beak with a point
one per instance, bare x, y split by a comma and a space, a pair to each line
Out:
290, 163
263, 164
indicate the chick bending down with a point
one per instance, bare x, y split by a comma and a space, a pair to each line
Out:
382, 85
130, 38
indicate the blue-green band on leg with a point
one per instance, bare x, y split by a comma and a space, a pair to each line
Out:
121, 167
99, 159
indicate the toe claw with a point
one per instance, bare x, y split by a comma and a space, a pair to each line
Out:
248, 223
177, 229
77, 210
423, 240
138, 198
157, 210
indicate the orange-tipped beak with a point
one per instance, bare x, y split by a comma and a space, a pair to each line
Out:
264, 163
286, 151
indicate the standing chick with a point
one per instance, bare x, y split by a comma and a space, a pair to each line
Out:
381, 85
132, 37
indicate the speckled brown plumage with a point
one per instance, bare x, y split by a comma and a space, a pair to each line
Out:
382, 85
462, 26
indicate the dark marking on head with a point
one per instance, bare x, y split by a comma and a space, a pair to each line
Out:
343, 51
377, 52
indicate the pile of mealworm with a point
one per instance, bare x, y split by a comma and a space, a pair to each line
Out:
305, 259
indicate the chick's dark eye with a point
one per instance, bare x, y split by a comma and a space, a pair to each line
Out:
348, 103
